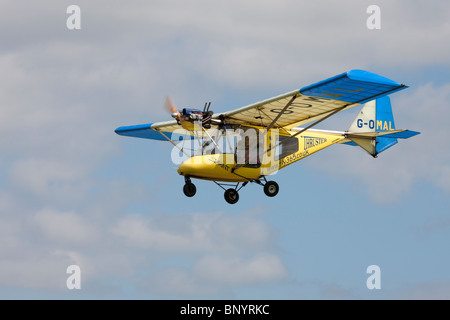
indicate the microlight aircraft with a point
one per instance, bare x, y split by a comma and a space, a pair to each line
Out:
252, 142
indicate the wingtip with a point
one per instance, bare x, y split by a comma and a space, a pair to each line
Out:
118, 130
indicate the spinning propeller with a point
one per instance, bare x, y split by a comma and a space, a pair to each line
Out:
173, 110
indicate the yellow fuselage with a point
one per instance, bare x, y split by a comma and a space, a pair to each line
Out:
223, 167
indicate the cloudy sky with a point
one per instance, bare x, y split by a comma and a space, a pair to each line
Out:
74, 192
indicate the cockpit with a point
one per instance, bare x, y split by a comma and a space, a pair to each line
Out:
243, 142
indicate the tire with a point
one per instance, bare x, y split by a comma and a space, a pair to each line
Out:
189, 189
271, 188
231, 196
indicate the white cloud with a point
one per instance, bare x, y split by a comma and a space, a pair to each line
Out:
35, 270
139, 232
64, 227
226, 251
177, 282
199, 232
216, 275
43, 176
237, 270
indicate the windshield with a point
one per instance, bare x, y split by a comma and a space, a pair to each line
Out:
212, 143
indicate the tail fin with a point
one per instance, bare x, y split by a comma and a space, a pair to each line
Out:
374, 127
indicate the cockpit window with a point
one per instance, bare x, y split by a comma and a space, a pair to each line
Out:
287, 148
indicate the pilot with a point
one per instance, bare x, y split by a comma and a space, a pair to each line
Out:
247, 149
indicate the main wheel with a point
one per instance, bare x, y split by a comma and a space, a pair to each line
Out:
231, 196
271, 188
189, 189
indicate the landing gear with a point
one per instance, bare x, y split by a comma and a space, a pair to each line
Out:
231, 196
189, 188
271, 188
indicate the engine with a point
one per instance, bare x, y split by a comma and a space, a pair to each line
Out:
196, 115
192, 114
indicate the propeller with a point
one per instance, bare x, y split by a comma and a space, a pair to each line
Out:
170, 106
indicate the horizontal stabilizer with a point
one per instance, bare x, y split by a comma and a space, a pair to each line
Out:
395, 134
405, 134
378, 141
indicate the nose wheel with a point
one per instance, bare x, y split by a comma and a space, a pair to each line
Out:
189, 188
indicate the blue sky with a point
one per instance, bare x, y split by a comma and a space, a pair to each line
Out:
73, 192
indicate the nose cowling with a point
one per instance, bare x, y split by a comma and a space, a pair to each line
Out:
205, 167
193, 166
184, 169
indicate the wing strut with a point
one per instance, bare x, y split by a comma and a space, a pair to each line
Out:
170, 140
310, 126
281, 112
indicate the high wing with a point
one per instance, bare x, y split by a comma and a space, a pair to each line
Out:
292, 109
316, 101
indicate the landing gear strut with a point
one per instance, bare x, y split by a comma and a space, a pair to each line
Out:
189, 188
231, 195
